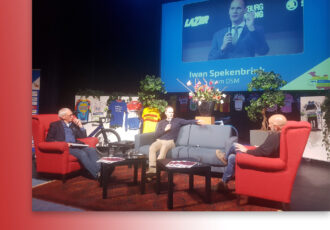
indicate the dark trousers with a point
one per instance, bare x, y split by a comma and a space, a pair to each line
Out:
87, 157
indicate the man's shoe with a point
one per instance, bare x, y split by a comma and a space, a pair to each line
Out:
231, 185
150, 174
221, 156
223, 187
150, 177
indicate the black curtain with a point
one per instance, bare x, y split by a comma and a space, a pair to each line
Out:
100, 45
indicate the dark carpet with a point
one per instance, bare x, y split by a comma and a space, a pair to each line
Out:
123, 195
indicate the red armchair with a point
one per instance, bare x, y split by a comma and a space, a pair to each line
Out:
273, 178
54, 157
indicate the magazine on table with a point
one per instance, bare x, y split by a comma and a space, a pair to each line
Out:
180, 164
78, 145
110, 160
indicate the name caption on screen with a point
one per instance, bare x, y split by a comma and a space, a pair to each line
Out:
218, 74
224, 73
236, 72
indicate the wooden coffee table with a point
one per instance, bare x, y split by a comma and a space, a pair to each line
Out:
135, 160
199, 169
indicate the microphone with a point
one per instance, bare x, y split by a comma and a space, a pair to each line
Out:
230, 44
229, 28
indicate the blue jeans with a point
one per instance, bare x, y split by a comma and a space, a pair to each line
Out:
87, 157
230, 169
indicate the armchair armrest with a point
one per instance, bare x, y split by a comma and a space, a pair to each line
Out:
250, 147
248, 161
143, 139
91, 141
53, 147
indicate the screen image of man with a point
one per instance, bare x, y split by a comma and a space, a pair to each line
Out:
241, 39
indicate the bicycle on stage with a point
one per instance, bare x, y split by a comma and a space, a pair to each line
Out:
105, 135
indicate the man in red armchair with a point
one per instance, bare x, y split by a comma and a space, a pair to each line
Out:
270, 148
69, 129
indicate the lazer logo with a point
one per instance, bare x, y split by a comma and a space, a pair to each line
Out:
196, 21
292, 5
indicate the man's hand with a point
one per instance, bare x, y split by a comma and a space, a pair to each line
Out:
241, 148
200, 122
249, 20
167, 127
77, 122
227, 39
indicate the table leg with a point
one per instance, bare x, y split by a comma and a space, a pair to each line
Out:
191, 182
109, 151
136, 166
101, 175
208, 186
105, 175
158, 179
170, 191
143, 176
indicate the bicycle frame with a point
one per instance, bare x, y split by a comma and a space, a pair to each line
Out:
99, 127
96, 130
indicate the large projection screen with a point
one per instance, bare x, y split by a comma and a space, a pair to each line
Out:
295, 32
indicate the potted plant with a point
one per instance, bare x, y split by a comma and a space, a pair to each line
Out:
205, 95
269, 83
151, 93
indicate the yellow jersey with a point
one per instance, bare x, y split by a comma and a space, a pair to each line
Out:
150, 118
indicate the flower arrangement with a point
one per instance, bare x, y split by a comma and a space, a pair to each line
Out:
206, 92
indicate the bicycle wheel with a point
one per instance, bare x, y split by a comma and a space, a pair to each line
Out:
102, 146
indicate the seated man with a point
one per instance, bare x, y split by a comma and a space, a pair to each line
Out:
270, 148
166, 133
68, 129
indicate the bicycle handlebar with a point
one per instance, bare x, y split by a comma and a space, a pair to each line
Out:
101, 120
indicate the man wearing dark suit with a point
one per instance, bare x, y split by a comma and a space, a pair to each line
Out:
242, 39
69, 129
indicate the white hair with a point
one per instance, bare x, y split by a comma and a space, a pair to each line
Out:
62, 112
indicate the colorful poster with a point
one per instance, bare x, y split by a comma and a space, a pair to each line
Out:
82, 109
35, 94
98, 108
310, 108
35, 90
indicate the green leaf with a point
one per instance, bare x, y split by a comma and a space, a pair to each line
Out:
270, 83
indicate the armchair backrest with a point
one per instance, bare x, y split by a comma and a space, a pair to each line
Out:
294, 136
40, 126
